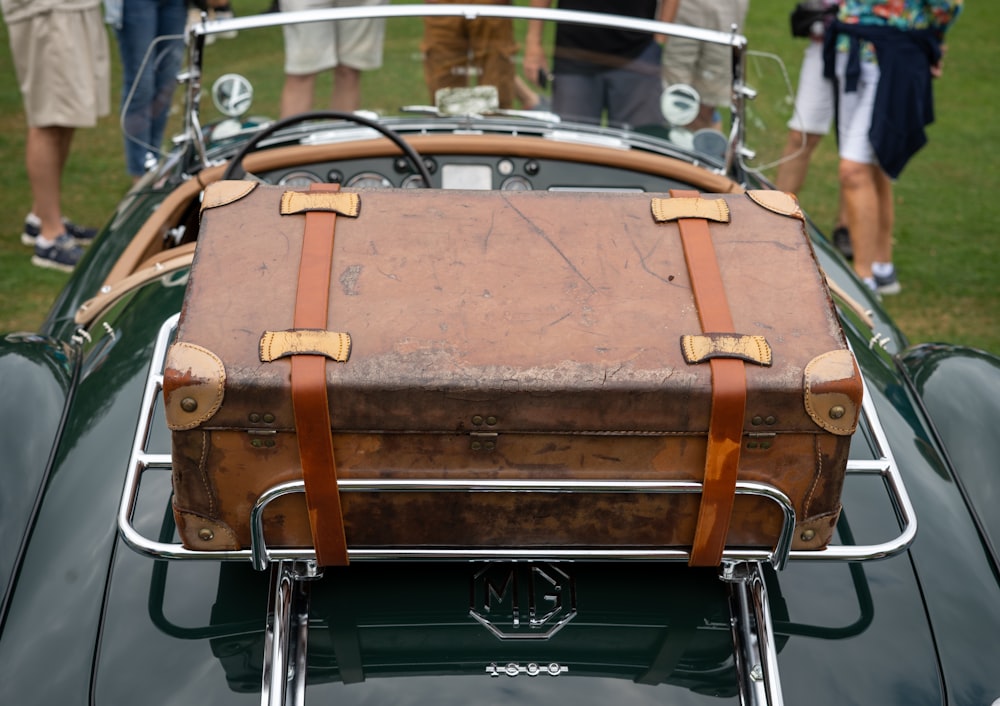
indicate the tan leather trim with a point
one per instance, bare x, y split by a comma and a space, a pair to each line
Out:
528, 147
148, 241
194, 381
829, 398
778, 202
672, 209
280, 344
223, 193
850, 302
163, 264
204, 534
699, 348
344, 204
816, 532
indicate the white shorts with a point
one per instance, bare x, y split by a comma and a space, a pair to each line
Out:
318, 46
856, 107
814, 104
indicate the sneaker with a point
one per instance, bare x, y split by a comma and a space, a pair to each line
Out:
33, 227
842, 242
63, 254
887, 284
81, 234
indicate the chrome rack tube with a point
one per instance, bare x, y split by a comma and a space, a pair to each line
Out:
283, 679
753, 635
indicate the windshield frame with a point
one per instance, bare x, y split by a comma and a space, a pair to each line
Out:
191, 77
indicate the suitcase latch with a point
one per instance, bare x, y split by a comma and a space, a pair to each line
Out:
262, 438
483, 441
760, 440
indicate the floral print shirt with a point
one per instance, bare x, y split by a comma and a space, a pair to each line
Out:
903, 14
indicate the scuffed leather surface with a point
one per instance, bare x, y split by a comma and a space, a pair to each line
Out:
556, 316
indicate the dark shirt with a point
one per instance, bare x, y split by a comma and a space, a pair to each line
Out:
583, 49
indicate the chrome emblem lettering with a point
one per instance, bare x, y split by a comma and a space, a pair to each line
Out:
513, 669
523, 601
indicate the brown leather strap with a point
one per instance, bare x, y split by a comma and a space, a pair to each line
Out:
309, 393
729, 391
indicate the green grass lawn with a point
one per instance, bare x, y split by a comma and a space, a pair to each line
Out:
948, 199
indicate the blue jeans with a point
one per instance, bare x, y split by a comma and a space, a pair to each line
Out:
146, 96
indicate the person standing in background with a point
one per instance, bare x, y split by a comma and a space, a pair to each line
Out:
61, 58
151, 45
455, 47
596, 69
884, 55
705, 67
812, 118
348, 48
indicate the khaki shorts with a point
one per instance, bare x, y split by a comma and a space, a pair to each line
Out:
63, 67
317, 46
704, 66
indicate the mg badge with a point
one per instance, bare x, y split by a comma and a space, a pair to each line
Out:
523, 601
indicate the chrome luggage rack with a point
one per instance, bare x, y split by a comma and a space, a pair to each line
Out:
741, 569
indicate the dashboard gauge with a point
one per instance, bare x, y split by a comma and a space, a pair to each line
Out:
300, 178
515, 183
369, 180
414, 181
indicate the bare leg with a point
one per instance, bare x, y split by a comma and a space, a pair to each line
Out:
346, 95
297, 94
864, 188
46, 152
794, 168
887, 216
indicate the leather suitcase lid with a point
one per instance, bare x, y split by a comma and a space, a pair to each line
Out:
548, 312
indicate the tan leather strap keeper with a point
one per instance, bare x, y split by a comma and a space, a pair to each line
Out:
753, 349
729, 390
281, 344
310, 403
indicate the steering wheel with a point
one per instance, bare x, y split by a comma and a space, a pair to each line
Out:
235, 168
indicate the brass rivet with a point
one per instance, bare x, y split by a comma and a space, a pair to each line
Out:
254, 417
269, 443
807, 535
476, 445
205, 534
765, 444
757, 421
752, 444
189, 404
477, 420
491, 420
268, 418
489, 445
770, 420
837, 412
256, 443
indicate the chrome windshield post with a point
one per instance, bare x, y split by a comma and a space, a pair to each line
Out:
191, 79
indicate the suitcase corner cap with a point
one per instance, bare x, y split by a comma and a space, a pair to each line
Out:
194, 381
833, 391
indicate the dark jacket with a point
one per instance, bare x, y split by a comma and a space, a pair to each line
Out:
904, 99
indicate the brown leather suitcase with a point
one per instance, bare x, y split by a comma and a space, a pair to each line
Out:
491, 336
